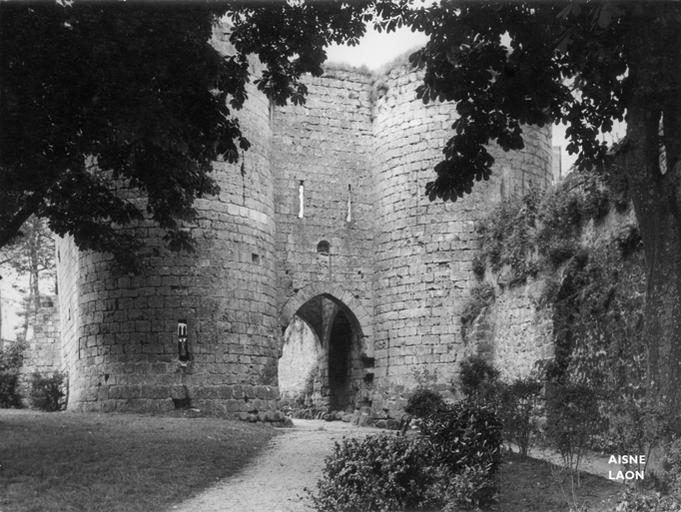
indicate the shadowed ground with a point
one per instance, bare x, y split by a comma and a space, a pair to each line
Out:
116, 462
126, 462
276, 479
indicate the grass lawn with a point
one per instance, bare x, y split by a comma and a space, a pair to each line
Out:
116, 462
530, 485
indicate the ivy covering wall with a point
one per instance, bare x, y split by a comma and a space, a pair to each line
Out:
568, 267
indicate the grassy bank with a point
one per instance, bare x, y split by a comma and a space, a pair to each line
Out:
531, 485
116, 462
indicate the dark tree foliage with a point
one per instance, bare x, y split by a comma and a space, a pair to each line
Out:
95, 96
588, 65
512, 63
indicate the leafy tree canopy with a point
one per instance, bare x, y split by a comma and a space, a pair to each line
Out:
506, 64
586, 64
94, 96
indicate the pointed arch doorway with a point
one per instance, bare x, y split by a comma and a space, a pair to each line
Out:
331, 343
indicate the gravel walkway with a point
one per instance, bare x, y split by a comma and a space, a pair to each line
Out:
275, 480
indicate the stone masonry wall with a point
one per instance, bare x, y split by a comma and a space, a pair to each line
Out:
424, 249
399, 267
68, 274
514, 331
43, 350
122, 346
325, 143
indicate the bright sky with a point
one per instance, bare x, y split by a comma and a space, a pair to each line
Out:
377, 49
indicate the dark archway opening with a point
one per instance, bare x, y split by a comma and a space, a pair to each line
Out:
335, 379
340, 352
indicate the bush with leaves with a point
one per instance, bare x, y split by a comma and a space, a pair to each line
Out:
520, 410
467, 434
478, 379
47, 392
449, 466
481, 295
668, 476
634, 500
667, 480
572, 418
9, 394
381, 473
424, 402
469, 489
11, 360
507, 235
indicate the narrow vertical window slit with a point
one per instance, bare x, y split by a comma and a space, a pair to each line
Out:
301, 199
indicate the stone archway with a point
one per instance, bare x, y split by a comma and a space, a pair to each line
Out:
337, 294
343, 374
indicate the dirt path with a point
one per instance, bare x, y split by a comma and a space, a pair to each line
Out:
275, 480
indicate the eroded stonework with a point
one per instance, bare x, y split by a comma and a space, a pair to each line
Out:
377, 271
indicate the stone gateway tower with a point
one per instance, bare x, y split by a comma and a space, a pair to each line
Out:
323, 220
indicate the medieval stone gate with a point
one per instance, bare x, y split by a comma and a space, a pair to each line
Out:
343, 373
326, 219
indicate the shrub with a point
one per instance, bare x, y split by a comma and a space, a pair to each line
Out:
9, 396
629, 240
507, 235
449, 466
12, 357
572, 417
11, 360
47, 392
482, 295
424, 402
478, 378
381, 473
669, 478
596, 200
560, 250
468, 434
634, 501
520, 411
478, 265
470, 488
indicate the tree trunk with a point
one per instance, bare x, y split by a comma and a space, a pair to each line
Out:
656, 203
657, 212
653, 170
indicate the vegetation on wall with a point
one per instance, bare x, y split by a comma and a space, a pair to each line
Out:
537, 232
507, 236
481, 296
594, 293
593, 63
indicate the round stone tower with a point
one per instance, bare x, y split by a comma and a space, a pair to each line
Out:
424, 249
122, 333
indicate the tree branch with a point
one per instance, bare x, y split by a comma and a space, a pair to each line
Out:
9, 230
